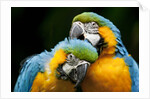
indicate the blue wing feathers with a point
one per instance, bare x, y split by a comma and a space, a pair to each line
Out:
134, 72
31, 67
133, 67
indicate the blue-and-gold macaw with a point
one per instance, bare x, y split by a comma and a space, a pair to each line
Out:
61, 70
114, 70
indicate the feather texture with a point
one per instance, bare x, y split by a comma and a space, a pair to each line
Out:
118, 50
134, 72
81, 49
39, 63
30, 68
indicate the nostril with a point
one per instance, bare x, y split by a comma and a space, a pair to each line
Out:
81, 37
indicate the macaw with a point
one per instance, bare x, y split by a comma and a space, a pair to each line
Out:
61, 70
115, 70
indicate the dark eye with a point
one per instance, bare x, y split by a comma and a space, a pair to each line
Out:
93, 23
70, 56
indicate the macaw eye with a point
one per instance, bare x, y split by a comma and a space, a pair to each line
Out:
72, 60
94, 24
70, 56
79, 22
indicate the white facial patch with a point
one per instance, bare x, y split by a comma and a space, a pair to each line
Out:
93, 38
67, 68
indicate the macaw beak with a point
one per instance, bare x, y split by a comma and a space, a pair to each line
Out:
77, 30
76, 73
81, 72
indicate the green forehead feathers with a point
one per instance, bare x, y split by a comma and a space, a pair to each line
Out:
81, 49
87, 17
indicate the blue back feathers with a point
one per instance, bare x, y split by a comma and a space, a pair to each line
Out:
31, 67
134, 72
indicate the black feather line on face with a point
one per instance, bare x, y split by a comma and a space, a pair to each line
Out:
101, 44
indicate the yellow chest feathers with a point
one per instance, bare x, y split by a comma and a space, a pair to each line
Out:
48, 82
107, 74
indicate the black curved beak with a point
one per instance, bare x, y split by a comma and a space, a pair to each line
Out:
76, 30
81, 72
77, 75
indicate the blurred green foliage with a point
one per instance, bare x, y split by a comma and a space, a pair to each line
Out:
35, 29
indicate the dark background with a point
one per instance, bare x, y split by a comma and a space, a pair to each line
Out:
35, 29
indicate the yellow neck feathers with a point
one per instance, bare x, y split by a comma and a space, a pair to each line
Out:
48, 82
59, 58
109, 38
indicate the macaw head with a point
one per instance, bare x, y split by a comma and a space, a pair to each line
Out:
78, 54
97, 30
